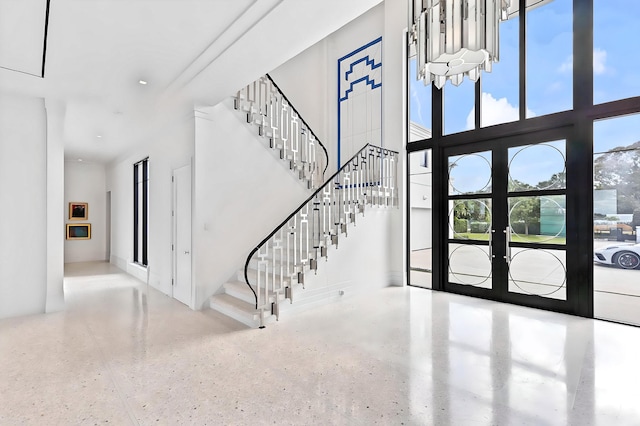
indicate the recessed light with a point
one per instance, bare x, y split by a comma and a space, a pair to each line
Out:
79, 159
143, 82
98, 136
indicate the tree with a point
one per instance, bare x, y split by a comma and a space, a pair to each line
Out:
557, 181
619, 169
525, 210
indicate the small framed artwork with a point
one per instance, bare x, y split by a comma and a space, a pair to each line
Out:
78, 211
78, 231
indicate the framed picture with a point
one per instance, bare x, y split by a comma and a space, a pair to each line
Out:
78, 211
79, 231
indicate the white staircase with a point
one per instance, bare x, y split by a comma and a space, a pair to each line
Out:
239, 302
277, 276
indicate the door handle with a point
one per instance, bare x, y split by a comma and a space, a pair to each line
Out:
507, 233
186, 252
491, 255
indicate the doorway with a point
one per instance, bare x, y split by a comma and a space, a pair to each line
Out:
108, 228
505, 215
182, 282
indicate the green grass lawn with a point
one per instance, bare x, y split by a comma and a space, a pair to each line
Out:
515, 238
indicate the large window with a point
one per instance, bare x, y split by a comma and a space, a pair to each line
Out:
615, 62
616, 218
556, 120
420, 171
141, 212
419, 106
500, 100
549, 58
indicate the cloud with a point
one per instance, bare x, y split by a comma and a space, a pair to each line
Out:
495, 111
599, 59
599, 62
567, 65
416, 102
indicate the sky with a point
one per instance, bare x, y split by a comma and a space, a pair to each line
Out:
549, 67
529, 164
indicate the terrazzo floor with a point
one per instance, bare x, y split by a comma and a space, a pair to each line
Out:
125, 354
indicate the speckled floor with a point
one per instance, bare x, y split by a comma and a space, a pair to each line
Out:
124, 354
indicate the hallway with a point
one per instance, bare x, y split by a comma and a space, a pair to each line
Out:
123, 353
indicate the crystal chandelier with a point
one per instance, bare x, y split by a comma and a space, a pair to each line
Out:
455, 37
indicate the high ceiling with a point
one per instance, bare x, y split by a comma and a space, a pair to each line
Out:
188, 51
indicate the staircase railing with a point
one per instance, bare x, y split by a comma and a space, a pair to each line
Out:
277, 119
368, 178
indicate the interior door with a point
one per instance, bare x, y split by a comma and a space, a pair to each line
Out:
182, 286
506, 221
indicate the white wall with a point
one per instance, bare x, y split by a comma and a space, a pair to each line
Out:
169, 146
23, 198
242, 192
352, 267
310, 82
85, 183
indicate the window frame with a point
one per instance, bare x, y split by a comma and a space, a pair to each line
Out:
141, 216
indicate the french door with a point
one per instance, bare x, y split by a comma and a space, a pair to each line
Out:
505, 217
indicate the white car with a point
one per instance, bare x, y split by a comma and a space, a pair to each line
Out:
623, 256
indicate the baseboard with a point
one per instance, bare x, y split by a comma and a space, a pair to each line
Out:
119, 262
397, 279
137, 271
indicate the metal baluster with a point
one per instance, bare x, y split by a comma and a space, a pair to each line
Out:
312, 161
284, 128
304, 235
347, 197
278, 283
294, 140
263, 252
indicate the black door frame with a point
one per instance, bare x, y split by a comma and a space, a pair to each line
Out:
499, 148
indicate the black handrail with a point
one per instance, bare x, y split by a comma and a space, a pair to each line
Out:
326, 154
284, 222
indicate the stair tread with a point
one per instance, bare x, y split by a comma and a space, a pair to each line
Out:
234, 302
239, 286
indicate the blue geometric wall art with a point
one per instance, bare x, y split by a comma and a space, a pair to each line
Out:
359, 99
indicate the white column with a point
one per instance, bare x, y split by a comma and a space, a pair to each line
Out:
23, 206
55, 206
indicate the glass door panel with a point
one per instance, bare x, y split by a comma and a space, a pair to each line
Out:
538, 272
470, 220
470, 265
538, 219
536, 204
537, 167
470, 173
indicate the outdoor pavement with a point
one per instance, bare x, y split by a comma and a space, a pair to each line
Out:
617, 291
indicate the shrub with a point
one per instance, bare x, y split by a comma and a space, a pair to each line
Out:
520, 228
460, 226
479, 227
